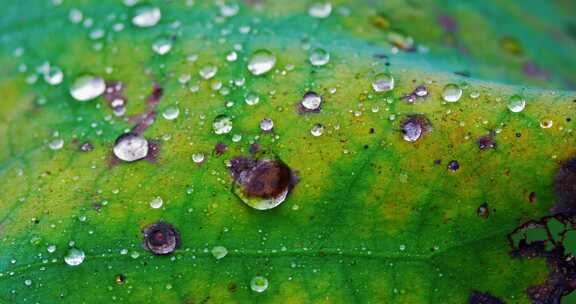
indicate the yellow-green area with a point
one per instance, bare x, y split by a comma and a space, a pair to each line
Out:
373, 218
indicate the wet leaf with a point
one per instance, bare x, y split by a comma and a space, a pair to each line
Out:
369, 129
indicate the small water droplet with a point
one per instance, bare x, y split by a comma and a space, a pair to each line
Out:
546, 123
130, 147
156, 202
261, 62
87, 87
146, 16
383, 82
74, 257
56, 144
451, 93
259, 284
311, 101
319, 57
252, 99
162, 45
516, 103
28, 282
474, 94
229, 9
51, 248
222, 124
198, 157
54, 76
317, 130
219, 252
320, 10
208, 71
266, 124
171, 113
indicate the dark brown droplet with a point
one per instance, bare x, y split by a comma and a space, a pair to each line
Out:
263, 178
220, 148
483, 211
120, 279
161, 238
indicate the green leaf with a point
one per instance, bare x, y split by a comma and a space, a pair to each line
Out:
371, 218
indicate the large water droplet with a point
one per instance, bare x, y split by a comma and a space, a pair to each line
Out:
171, 113
266, 124
156, 202
261, 62
131, 147
74, 257
161, 238
319, 57
259, 284
451, 93
414, 126
320, 10
261, 184
516, 103
56, 144
222, 124
162, 45
198, 157
87, 87
383, 82
146, 16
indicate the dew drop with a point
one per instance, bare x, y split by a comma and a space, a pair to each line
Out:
87, 87
74, 257
317, 130
51, 248
171, 113
162, 45
414, 126
320, 10
546, 123
229, 9
259, 284
146, 16
311, 101
319, 57
266, 124
130, 147
516, 103
156, 202
383, 82
198, 157
28, 282
261, 62
56, 144
208, 71
222, 124
451, 93
219, 252
252, 99
53, 76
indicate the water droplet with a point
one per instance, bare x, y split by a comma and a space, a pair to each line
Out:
208, 71
232, 56
414, 126
222, 124
56, 144
156, 202
402, 247
171, 113
28, 282
162, 45
319, 57
383, 82
483, 211
146, 16
219, 252
317, 130
130, 147
546, 123
74, 257
266, 124
252, 99
451, 93
229, 9
259, 284
311, 101
261, 62
161, 238
198, 157
261, 184
320, 10
516, 103
474, 94
87, 87
51, 248
53, 76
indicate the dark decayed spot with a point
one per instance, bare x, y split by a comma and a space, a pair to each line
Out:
561, 263
220, 148
453, 165
483, 298
263, 178
161, 238
120, 279
483, 211
254, 148
487, 141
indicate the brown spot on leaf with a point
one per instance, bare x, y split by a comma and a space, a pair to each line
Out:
483, 298
263, 178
